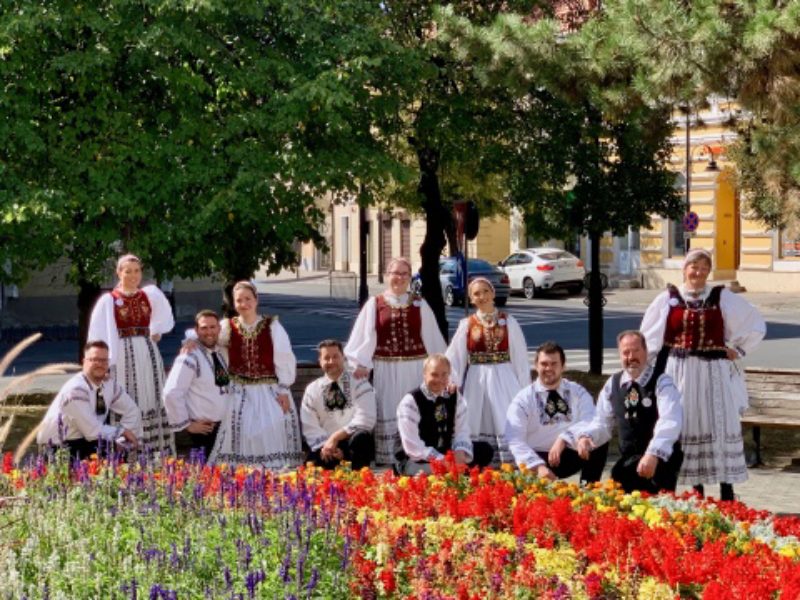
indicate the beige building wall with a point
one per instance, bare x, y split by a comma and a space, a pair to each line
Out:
743, 248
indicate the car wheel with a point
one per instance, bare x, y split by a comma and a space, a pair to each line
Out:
528, 288
501, 301
576, 289
449, 297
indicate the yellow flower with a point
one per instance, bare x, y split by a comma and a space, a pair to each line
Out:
790, 551
652, 589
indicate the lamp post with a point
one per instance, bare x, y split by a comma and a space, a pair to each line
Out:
712, 166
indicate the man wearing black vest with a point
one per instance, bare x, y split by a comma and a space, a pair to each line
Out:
646, 406
432, 421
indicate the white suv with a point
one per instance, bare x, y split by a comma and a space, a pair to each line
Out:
536, 269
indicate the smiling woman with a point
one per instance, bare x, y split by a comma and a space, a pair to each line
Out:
131, 321
393, 334
704, 329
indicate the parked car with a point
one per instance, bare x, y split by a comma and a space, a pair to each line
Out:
537, 269
451, 279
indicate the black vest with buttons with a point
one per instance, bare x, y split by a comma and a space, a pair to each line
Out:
636, 423
429, 430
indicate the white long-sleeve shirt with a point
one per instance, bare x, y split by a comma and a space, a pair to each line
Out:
744, 325
363, 339
458, 354
670, 414
319, 421
530, 430
190, 393
282, 356
72, 413
408, 419
103, 326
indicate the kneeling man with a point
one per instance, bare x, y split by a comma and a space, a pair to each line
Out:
78, 417
432, 421
544, 418
197, 391
646, 406
338, 413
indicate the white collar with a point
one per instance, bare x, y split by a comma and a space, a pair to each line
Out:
327, 380
539, 387
430, 395
643, 378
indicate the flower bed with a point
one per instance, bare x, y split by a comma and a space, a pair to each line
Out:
175, 529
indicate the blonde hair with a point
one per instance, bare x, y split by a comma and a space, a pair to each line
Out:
245, 285
434, 358
126, 258
399, 259
480, 280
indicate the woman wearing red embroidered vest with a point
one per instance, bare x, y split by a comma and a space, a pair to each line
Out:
131, 321
703, 330
261, 426
489, 359
392, 335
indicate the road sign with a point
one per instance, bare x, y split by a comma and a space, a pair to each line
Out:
690, 221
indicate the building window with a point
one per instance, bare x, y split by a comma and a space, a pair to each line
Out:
790, 242
677, 242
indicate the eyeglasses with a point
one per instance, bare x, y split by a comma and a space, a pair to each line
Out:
100, 407
400, 273
100, 361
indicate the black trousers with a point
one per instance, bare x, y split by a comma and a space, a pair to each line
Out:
665, 478
358, 449
204, 441
570, 463
81, 448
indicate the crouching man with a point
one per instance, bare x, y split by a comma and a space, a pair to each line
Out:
338, 413
432, 421
544, 418
78, 417
646, 406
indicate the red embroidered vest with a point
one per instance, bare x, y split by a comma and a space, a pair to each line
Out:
132, 313
399, 331
695, 328
250, 353
487, 344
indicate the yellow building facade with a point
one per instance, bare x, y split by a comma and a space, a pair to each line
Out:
743, 249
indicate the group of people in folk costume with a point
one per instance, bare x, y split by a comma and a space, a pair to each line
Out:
676, 403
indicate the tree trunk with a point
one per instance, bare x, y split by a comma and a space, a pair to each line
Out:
363, 288
595, 309
437, 220
88, 293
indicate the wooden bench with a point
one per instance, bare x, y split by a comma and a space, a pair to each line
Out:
774, 401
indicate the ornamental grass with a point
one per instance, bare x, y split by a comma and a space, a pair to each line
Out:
171, 528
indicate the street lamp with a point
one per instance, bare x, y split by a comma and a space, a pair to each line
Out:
711, 167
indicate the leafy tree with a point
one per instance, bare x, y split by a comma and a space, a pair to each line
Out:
196, 134
591, 154
745, 50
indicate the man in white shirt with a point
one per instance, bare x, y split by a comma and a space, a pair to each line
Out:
338, 413
196, 393
78, 416
646, 406
432, 421
543, 419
